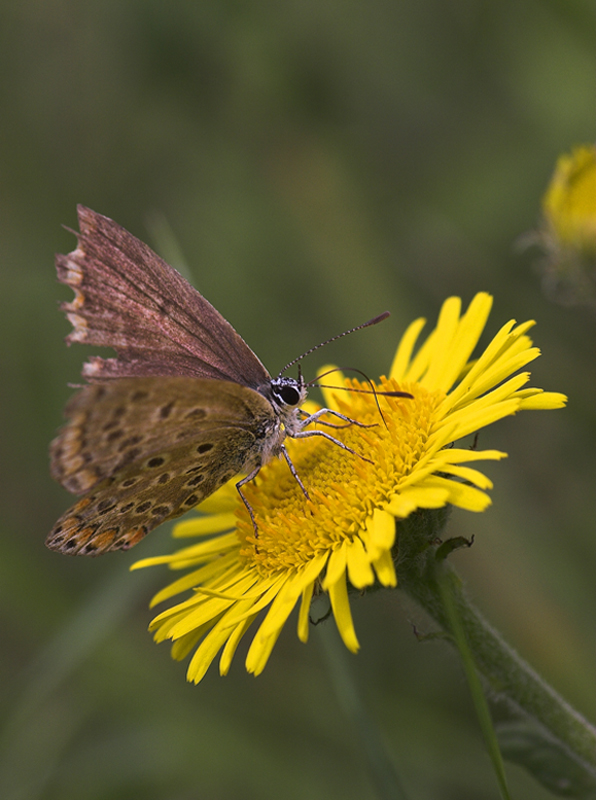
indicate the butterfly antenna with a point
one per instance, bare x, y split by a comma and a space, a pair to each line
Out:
372, 389
368, 324
379, 393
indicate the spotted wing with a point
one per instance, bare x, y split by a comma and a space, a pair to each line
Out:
128, 298
142, 451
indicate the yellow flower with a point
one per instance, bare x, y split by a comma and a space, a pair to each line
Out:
567, 233
570, 201
347, 530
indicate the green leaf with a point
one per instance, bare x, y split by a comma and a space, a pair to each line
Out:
549, 761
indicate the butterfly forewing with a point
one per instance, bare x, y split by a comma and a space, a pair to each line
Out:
142, 451
128, 298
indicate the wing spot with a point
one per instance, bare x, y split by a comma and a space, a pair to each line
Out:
165, 411
139, 395
156, 462
195, 481
192, 500
140, 509
164, 477
159, 511
204, 448
109, 425
106, 505
124, 509
132, 440
129, 482
196, 413
113, 435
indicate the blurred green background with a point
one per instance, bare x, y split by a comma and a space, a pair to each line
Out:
314, 163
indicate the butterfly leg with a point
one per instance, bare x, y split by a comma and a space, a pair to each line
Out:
239, 486
306, 434
295, 475
308, 418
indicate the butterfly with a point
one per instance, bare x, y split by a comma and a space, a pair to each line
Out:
183, 407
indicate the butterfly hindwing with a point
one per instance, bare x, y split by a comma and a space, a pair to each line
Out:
119, 511
120, 422
144, 450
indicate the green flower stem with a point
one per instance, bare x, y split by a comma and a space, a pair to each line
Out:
419, 560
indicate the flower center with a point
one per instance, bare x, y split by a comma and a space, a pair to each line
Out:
344, 488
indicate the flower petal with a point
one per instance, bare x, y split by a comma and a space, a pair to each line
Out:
420, 496
445, 332
385, 569
336, 565
461, 495
338, 594
233, 641
210, 523
303, 616
360, 572
540, 400
404, 351
465, 339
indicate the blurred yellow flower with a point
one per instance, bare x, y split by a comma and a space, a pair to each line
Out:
567, 234
347, 530
569, 204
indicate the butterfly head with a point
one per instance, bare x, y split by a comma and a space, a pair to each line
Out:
287, 394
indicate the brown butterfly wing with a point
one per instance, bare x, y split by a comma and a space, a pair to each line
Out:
146, 450
128, 298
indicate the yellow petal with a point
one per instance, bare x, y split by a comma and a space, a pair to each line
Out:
461, 495
468, 474
540, 400
445, 332
206, 652
359, 570
230, 647
336, 566
196, 578
465, 339
340, 604
201, 526
382, 526
404, 351
259, 652
402, 504
303, 616
385, 569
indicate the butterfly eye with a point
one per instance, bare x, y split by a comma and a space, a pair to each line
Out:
290, 395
